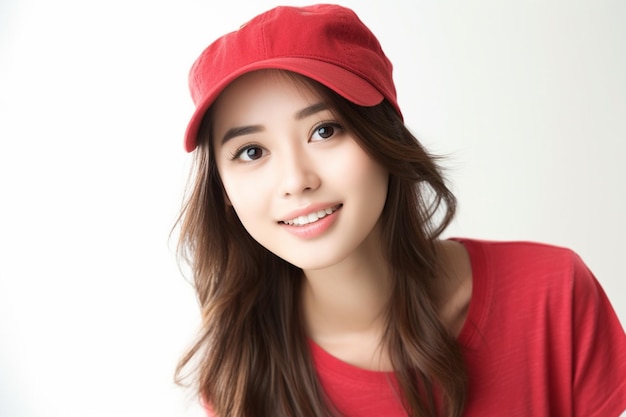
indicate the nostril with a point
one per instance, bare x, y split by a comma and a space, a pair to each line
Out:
298, 180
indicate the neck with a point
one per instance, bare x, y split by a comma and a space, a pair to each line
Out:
349, 297
345, 309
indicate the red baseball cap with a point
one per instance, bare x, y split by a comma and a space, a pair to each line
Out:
327, 43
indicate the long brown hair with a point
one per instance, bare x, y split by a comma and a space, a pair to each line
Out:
251, 357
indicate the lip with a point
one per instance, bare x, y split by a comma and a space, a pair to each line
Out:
316, 228
305, 211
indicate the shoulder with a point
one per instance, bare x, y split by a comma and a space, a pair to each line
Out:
534, 284
540, 318
524, 258
526, 283
519, 249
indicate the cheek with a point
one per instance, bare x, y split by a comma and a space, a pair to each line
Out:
239, 195
370, 185
246, 195
366, 174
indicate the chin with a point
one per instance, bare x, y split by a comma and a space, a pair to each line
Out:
316, 261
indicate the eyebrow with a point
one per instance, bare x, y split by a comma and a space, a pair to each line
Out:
233, 132
311, 110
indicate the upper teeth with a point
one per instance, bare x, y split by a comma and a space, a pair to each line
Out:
310, 218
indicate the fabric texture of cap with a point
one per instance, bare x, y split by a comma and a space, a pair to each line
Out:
327, 43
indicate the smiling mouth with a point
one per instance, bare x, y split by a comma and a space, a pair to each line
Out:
311, 217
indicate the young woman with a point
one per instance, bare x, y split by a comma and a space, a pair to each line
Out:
312, 227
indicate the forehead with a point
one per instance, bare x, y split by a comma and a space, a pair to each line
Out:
261, 89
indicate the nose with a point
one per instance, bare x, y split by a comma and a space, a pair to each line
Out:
297, 173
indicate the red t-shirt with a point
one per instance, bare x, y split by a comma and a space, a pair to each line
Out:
540, 339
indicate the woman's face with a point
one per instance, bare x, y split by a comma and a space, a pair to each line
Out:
300, 184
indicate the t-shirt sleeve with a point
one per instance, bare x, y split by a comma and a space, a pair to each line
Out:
599, 384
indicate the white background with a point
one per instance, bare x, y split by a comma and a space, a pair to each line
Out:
527, 99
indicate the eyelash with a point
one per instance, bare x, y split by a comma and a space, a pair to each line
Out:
239, 151
334, 125
338, 128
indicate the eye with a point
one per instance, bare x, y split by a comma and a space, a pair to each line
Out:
325, 131
248, 153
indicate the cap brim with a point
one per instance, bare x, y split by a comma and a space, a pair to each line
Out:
345, 83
